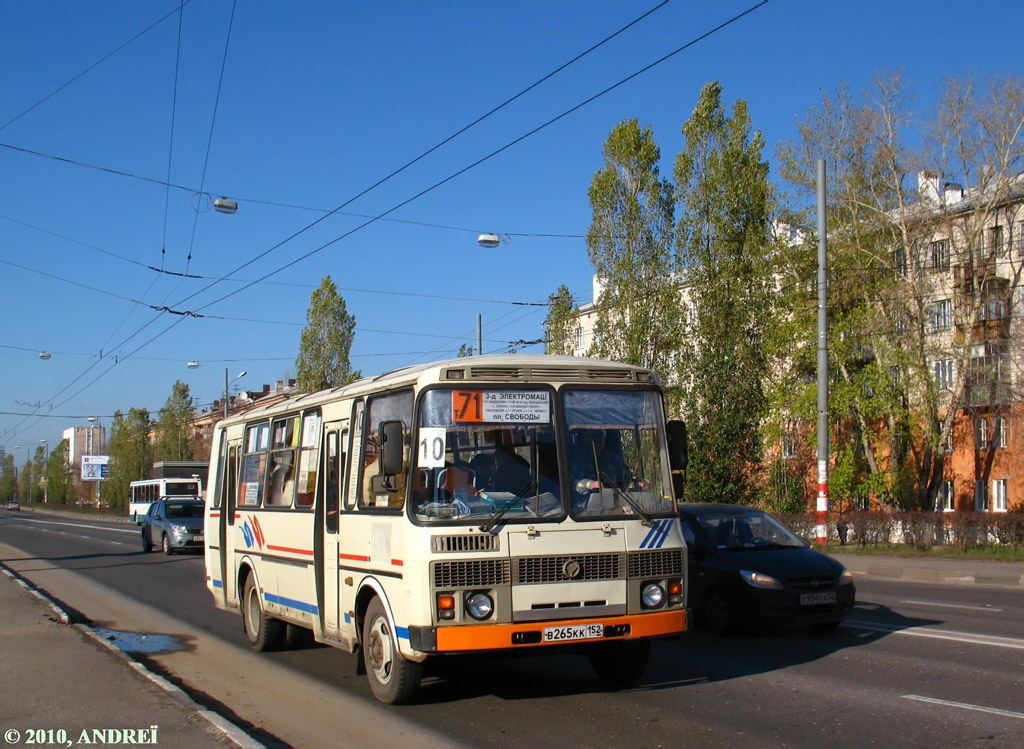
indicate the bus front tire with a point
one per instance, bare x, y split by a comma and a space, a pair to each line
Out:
393, 679
263, 632
621, 664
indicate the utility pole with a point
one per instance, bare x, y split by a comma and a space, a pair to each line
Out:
479, 335
822, 503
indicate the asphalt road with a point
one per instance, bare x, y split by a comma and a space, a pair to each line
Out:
917, 664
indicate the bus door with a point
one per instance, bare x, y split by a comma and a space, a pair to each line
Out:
226, 540
326, 547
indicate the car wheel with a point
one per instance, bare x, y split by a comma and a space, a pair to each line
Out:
621, 664
719, 613
392, 678
168, 550
263, 632
147, 545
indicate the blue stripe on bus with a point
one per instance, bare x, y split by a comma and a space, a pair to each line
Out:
348, 619
217, 583
402, 632
291, 603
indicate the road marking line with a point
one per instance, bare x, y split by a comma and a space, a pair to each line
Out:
77, 525
940, 634
964, 705
952, 606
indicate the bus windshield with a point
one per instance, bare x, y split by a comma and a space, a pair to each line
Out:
485, 451
615, 463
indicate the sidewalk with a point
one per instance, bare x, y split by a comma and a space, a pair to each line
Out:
55, 676
949, 571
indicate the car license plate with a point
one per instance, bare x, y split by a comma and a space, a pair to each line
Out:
198, 538
816, 599
573, 632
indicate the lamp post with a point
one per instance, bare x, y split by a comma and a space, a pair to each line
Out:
43, 479
227, 384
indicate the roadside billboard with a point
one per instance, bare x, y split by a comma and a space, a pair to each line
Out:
94, 467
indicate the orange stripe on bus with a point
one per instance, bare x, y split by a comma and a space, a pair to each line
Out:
499, 636
307, 552
214, 514
396, 562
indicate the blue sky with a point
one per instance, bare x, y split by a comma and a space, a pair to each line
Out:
317, 102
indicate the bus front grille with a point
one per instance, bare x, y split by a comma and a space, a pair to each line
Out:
471, 573
567, 568
663, 563
468, 542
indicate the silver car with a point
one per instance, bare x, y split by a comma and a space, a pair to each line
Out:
174, 524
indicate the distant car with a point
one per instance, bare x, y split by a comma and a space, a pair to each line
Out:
14, 505
747, 569
173, 525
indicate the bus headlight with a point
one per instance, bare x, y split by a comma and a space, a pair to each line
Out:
653, 595
480, 606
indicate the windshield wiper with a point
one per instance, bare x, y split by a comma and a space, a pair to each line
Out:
520, 495
624, 496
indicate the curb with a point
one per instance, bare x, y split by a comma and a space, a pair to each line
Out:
222, 724
926, 575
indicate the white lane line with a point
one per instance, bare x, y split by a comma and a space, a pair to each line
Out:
940, 634
77, 525
964, 705
951, 605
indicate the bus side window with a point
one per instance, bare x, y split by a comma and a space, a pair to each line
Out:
390, 407
332, 487
283, 457
309, 458
254, 466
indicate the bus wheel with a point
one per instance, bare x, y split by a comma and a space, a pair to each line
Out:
263, 632
393, 679
621, 663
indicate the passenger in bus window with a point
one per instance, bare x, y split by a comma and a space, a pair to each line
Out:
594, 464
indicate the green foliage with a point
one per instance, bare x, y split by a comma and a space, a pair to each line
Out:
561, 322
630, 243
59, 489
9, 484
131, 455
175, 434
323, 360
36, 491
723, 241
784, 493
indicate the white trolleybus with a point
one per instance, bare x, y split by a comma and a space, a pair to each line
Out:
489, 503
144, 493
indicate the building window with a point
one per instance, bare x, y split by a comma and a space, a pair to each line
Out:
943, 369
999, 435
981, 434
999, 495
939, 255
788, 448
1019, 239
579, 337
947, 499
899, 262
993, 303
941, 313
995, 239
980, 496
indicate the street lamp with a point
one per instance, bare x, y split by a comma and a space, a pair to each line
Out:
227, 385
43, 479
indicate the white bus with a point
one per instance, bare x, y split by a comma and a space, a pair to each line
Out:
144, 493
456, 507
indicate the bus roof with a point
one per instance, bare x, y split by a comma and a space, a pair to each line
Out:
489, 368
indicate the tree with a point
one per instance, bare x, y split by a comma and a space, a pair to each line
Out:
175, 431
323, 360
36, 491
9, 482
895, 320
131, 455
723, 239
630, 244
561, 322
59, 487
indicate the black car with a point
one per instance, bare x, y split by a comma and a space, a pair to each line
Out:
747, 569
174, 524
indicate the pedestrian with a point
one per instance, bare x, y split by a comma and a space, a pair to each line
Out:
841, 529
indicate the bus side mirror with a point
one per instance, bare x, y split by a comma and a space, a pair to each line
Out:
390, 441
678, 452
